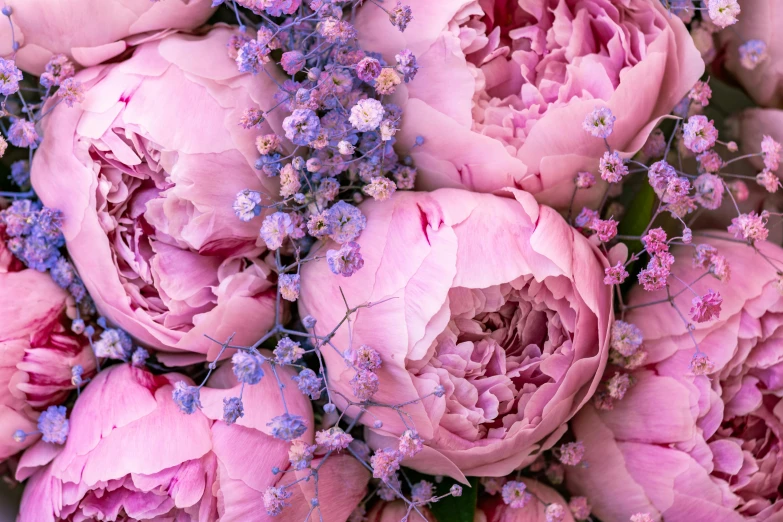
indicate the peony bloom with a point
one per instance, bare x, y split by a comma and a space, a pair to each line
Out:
132, 453
496, 300
754, 48
681, 446
505, 86
37, 352
89, 31
146, 171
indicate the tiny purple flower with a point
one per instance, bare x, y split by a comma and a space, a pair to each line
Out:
302, 126
345, 261
309, 383
10, 76
247, 367
22, 134
53, 425
232, 409
287, 427
186, 397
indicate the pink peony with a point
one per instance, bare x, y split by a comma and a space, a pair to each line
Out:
90, 31
146, 171
681, 446
37, 351
495, 299
754, 48
505, 86
131, 453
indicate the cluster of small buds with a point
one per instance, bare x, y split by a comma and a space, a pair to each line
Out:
333, 439
613, 389
580, 508
600, 122
339, 131
33, 234
626, 345
571, 453
723, 13
685, 197
701, 93
612, 167
113, 343
706, 307
53, 426
707, 257
515, 494
555, 513
56, 81
275, 499
752, 53
616, 274
701, 364
750, 227
186, 397
287, 427
699, 133
385, 462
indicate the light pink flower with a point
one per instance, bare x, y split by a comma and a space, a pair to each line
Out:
37, 350
476, 269
148, 225
130, 450
706, 307
681, 445
504, 87
90, 31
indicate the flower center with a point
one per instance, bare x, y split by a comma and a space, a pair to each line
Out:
500, 346
528, 59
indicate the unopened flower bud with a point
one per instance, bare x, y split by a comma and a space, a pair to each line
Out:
77, 326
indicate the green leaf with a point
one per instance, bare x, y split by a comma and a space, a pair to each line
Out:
456, 509
637, 215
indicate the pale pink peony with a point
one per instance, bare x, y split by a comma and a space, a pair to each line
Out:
685, 447
754, 49
145, 171
132, 454
90, 31
37, 351
505, 85
496, 299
